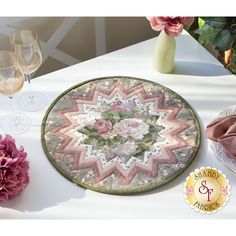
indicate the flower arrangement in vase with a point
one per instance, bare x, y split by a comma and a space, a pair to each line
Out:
165, 47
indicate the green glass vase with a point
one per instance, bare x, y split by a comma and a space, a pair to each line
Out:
164, 53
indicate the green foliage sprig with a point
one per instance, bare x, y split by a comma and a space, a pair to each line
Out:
220, 32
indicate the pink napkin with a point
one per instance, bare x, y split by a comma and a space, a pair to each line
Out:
223, 131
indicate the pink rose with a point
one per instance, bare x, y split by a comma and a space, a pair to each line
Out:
134, 128
102, 126
173, 26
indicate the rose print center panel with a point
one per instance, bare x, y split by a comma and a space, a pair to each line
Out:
120, 135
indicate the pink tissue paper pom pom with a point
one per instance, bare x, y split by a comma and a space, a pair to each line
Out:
173, 26
13, 169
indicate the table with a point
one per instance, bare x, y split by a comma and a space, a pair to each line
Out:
199, 78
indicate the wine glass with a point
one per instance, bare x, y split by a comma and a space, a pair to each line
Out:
11, 81
26, 48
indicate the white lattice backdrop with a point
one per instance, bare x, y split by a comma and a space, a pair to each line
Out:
50, 47
96, 36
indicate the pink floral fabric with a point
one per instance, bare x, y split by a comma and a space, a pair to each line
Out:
134, 128
119, 106
102, 126
126, 149
120, 135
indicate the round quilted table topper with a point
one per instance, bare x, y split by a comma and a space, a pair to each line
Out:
120, 135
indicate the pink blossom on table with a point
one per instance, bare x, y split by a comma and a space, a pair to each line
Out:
126, 149
134, 128
173, 26
119, 106
102, 126
13, 169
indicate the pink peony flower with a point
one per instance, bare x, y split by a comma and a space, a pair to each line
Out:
13, 169
119, 106
102, 126
173, 26
134, 128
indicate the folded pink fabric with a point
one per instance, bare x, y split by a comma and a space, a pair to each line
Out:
223, 131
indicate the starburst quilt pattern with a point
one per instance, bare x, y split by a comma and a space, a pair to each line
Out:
120, 135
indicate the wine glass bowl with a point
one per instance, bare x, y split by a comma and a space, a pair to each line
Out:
11, 86
11, 82
26, 47
11, 76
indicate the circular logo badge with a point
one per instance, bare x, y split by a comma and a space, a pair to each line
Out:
207, 190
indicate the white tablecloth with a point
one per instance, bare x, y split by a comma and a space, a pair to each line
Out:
199, 78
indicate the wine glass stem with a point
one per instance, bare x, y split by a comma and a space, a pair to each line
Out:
28, 78
14, 118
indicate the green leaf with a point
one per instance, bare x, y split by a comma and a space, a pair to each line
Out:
143, 148
216, 22
144, 145
222, 41
116, 116
202, 30
84, 131
123, 114
87, 129
231, 20
234, 70
233, 30
147, 138
207, 34
233, 59
116, 141
154, 128
90, 141
113, 116
106, 116
201, 22
139, 153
